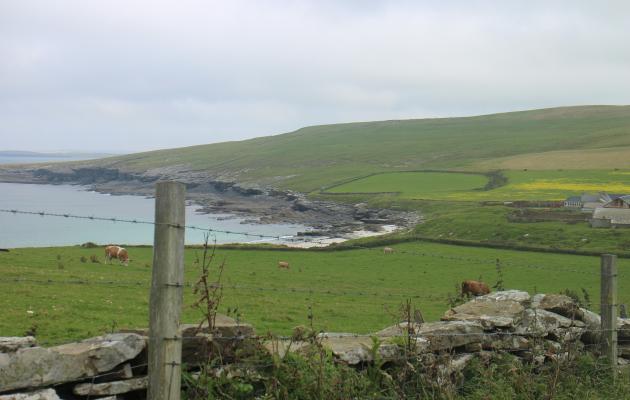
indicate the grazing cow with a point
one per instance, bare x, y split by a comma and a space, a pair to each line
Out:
474, 288
116, 252
388, 250
283, 264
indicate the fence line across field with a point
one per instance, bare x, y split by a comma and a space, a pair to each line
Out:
291, 239
166, 295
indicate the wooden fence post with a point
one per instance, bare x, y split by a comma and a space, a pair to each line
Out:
165, 346
609, 308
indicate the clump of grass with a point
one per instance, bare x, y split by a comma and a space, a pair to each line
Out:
456, 297
582, 301
94, 259
83, 259
492, 376
500, 284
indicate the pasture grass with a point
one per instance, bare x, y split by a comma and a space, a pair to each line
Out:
310, 158
365, 287
415, 184
600, 158
521, 185
490, 224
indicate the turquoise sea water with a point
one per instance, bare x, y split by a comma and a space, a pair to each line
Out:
17, 230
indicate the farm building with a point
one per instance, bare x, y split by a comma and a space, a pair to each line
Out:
618, 202
588, 202
591, 201
573, 202
615, 213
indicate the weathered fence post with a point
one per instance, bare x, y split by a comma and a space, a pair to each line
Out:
165, 346
609, 308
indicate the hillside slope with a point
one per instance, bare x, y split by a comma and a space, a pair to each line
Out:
317, 156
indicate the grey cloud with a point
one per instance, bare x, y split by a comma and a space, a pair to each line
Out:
155, 74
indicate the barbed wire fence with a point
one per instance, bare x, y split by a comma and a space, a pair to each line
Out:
292, 240
288, 240
311, 291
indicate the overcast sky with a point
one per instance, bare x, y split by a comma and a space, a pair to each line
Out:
139, 75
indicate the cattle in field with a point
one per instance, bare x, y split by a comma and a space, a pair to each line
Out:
474, 288
117, 252
388, 250
283, 264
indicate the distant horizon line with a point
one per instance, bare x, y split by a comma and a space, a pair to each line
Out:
30, 153
62, 153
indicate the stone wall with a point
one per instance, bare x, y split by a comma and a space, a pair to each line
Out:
536, 329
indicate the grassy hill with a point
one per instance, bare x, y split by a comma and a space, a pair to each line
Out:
317, 156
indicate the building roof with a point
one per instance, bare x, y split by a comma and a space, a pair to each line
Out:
574, 199
625, 199
591, 198
615, 215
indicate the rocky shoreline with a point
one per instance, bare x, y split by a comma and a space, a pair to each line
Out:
253, 203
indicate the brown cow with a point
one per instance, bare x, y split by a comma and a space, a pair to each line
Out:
474, 288
116, 252
388, 250
283, 264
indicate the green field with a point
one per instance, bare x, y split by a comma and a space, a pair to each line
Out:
352, 290
415, 184
313, 158
546, 154
320, 156
521, 185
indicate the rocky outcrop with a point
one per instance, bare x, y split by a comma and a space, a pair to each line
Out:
39, 367
542, 323
538, 329
45, 394
111, 365
111, 388
87, 175
495, 310
201, 344
12, 344
257, 202
557, 303
354, 350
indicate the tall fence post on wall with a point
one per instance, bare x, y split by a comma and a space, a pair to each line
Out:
609, 308
165, 344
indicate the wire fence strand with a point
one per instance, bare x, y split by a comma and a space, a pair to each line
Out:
320, 242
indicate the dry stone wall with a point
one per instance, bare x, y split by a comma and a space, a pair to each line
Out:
535, 328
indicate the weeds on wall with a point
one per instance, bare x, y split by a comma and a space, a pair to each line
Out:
209, 292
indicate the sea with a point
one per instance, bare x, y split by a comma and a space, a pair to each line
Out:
39, 159
24, 230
